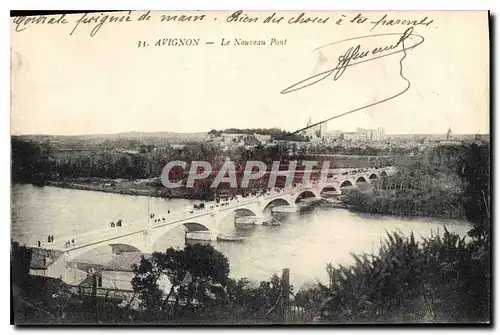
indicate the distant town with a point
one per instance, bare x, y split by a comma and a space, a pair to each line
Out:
133, 143
320, 135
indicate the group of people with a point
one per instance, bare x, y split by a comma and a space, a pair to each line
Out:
117, 224
152, 216
257, 193
200, 206
69, 243
50, 239
218, 203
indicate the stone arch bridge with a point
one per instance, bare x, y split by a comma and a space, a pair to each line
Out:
143, 236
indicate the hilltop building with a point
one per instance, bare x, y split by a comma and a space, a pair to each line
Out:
354, 136
319, 133
375, 135
316, 133
360, 135
227, 140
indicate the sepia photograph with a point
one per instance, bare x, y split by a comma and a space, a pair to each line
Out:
250, 168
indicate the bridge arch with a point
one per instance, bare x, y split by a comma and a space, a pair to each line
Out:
275, 202
328, 188
245, 211
195, 226
383, 174
174, 234
360, 180
237, 212
346, 183
373, 177
305, 194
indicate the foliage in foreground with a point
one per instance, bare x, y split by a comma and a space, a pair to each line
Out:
444, 278
200, 289
440, 279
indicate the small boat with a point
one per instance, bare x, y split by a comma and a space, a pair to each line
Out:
249, 220
224, 238
201, 235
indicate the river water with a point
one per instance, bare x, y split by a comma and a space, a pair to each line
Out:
304, 243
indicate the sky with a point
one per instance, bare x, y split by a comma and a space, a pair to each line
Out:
74, 85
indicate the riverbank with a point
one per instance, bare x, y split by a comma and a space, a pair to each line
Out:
151, 187
406, 203
145, 187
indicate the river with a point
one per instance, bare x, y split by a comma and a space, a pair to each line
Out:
303, 243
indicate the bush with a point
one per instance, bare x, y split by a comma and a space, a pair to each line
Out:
440, 279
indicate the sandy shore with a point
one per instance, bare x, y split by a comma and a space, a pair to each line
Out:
145, 187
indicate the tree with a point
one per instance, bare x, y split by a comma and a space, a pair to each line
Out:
31, 161
197, 275
20, 260
475, 171
247, 301
215, 133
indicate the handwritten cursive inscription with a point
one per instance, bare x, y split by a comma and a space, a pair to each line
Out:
22, 22
100, 20
356, 55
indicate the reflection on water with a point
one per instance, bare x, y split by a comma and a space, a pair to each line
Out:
304, 243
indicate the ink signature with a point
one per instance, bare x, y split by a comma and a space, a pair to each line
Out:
356, 55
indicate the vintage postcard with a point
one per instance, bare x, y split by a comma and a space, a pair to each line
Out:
250, 167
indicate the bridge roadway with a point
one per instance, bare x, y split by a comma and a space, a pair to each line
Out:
143, 235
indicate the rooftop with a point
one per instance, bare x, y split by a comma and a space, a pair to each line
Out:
123, 262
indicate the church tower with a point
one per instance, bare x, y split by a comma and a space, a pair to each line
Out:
448, 134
